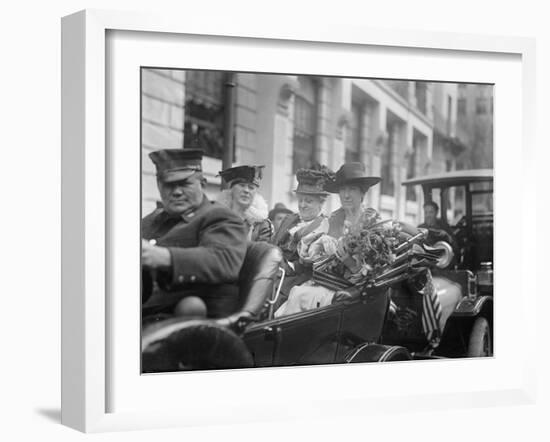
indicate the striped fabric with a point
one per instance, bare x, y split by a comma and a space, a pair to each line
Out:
431, 312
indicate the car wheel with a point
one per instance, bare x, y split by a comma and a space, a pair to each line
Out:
480, 343
378, 353
175, 345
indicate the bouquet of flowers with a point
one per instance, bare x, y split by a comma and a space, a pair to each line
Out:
361, 254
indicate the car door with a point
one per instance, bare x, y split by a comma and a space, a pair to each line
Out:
362, 321
303, 338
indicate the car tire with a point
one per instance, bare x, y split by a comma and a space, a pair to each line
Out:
175, 345
378, 353
480, 343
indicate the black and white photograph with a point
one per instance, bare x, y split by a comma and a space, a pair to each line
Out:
275, 221
294, 220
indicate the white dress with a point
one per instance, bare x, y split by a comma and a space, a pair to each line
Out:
307, 296
310, 295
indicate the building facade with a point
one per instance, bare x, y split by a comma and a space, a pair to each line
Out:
398, 129
475, 125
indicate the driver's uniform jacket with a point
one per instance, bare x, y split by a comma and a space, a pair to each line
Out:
207, 248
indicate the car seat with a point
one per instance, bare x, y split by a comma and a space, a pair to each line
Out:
257, 276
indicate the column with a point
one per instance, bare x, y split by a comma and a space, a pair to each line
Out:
429, 101
366, 154
366, 134
282, 153
412, 93
396, 166
322, 139
380, 143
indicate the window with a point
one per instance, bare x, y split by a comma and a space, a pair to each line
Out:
353, 140
461, 106
410, 191
204, 111
481, 105
449, 114
387, 187
484, 101
421, 96
399, 86
459, 204
304, 124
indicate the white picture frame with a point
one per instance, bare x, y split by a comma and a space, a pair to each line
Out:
87, 213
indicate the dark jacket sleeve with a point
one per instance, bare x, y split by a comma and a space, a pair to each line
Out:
219, 255
281, 233
262, 231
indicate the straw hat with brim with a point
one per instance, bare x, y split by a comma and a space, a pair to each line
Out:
176, 164
311, 182
351, 174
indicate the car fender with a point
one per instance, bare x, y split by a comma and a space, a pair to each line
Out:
470, 307
458, 328
449, 294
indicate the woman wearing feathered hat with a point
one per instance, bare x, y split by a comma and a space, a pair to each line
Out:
299, 230
351, 183
242, 196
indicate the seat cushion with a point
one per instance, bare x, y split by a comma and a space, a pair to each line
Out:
257, 275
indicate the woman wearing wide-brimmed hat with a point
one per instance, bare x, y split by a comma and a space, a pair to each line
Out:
351, 183
242, 196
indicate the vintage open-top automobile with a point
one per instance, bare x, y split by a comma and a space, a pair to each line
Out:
383, 320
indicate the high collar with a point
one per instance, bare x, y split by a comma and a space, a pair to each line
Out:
257, 211
188, 216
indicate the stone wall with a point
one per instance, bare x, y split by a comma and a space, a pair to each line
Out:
162, 106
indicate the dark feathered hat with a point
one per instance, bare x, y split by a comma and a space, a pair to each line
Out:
312, 181
242, 174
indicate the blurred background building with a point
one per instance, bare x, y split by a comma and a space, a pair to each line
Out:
398, 129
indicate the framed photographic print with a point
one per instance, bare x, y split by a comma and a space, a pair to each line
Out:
252, 216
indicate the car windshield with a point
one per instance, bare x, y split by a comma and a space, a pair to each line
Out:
453, 198
482, 198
